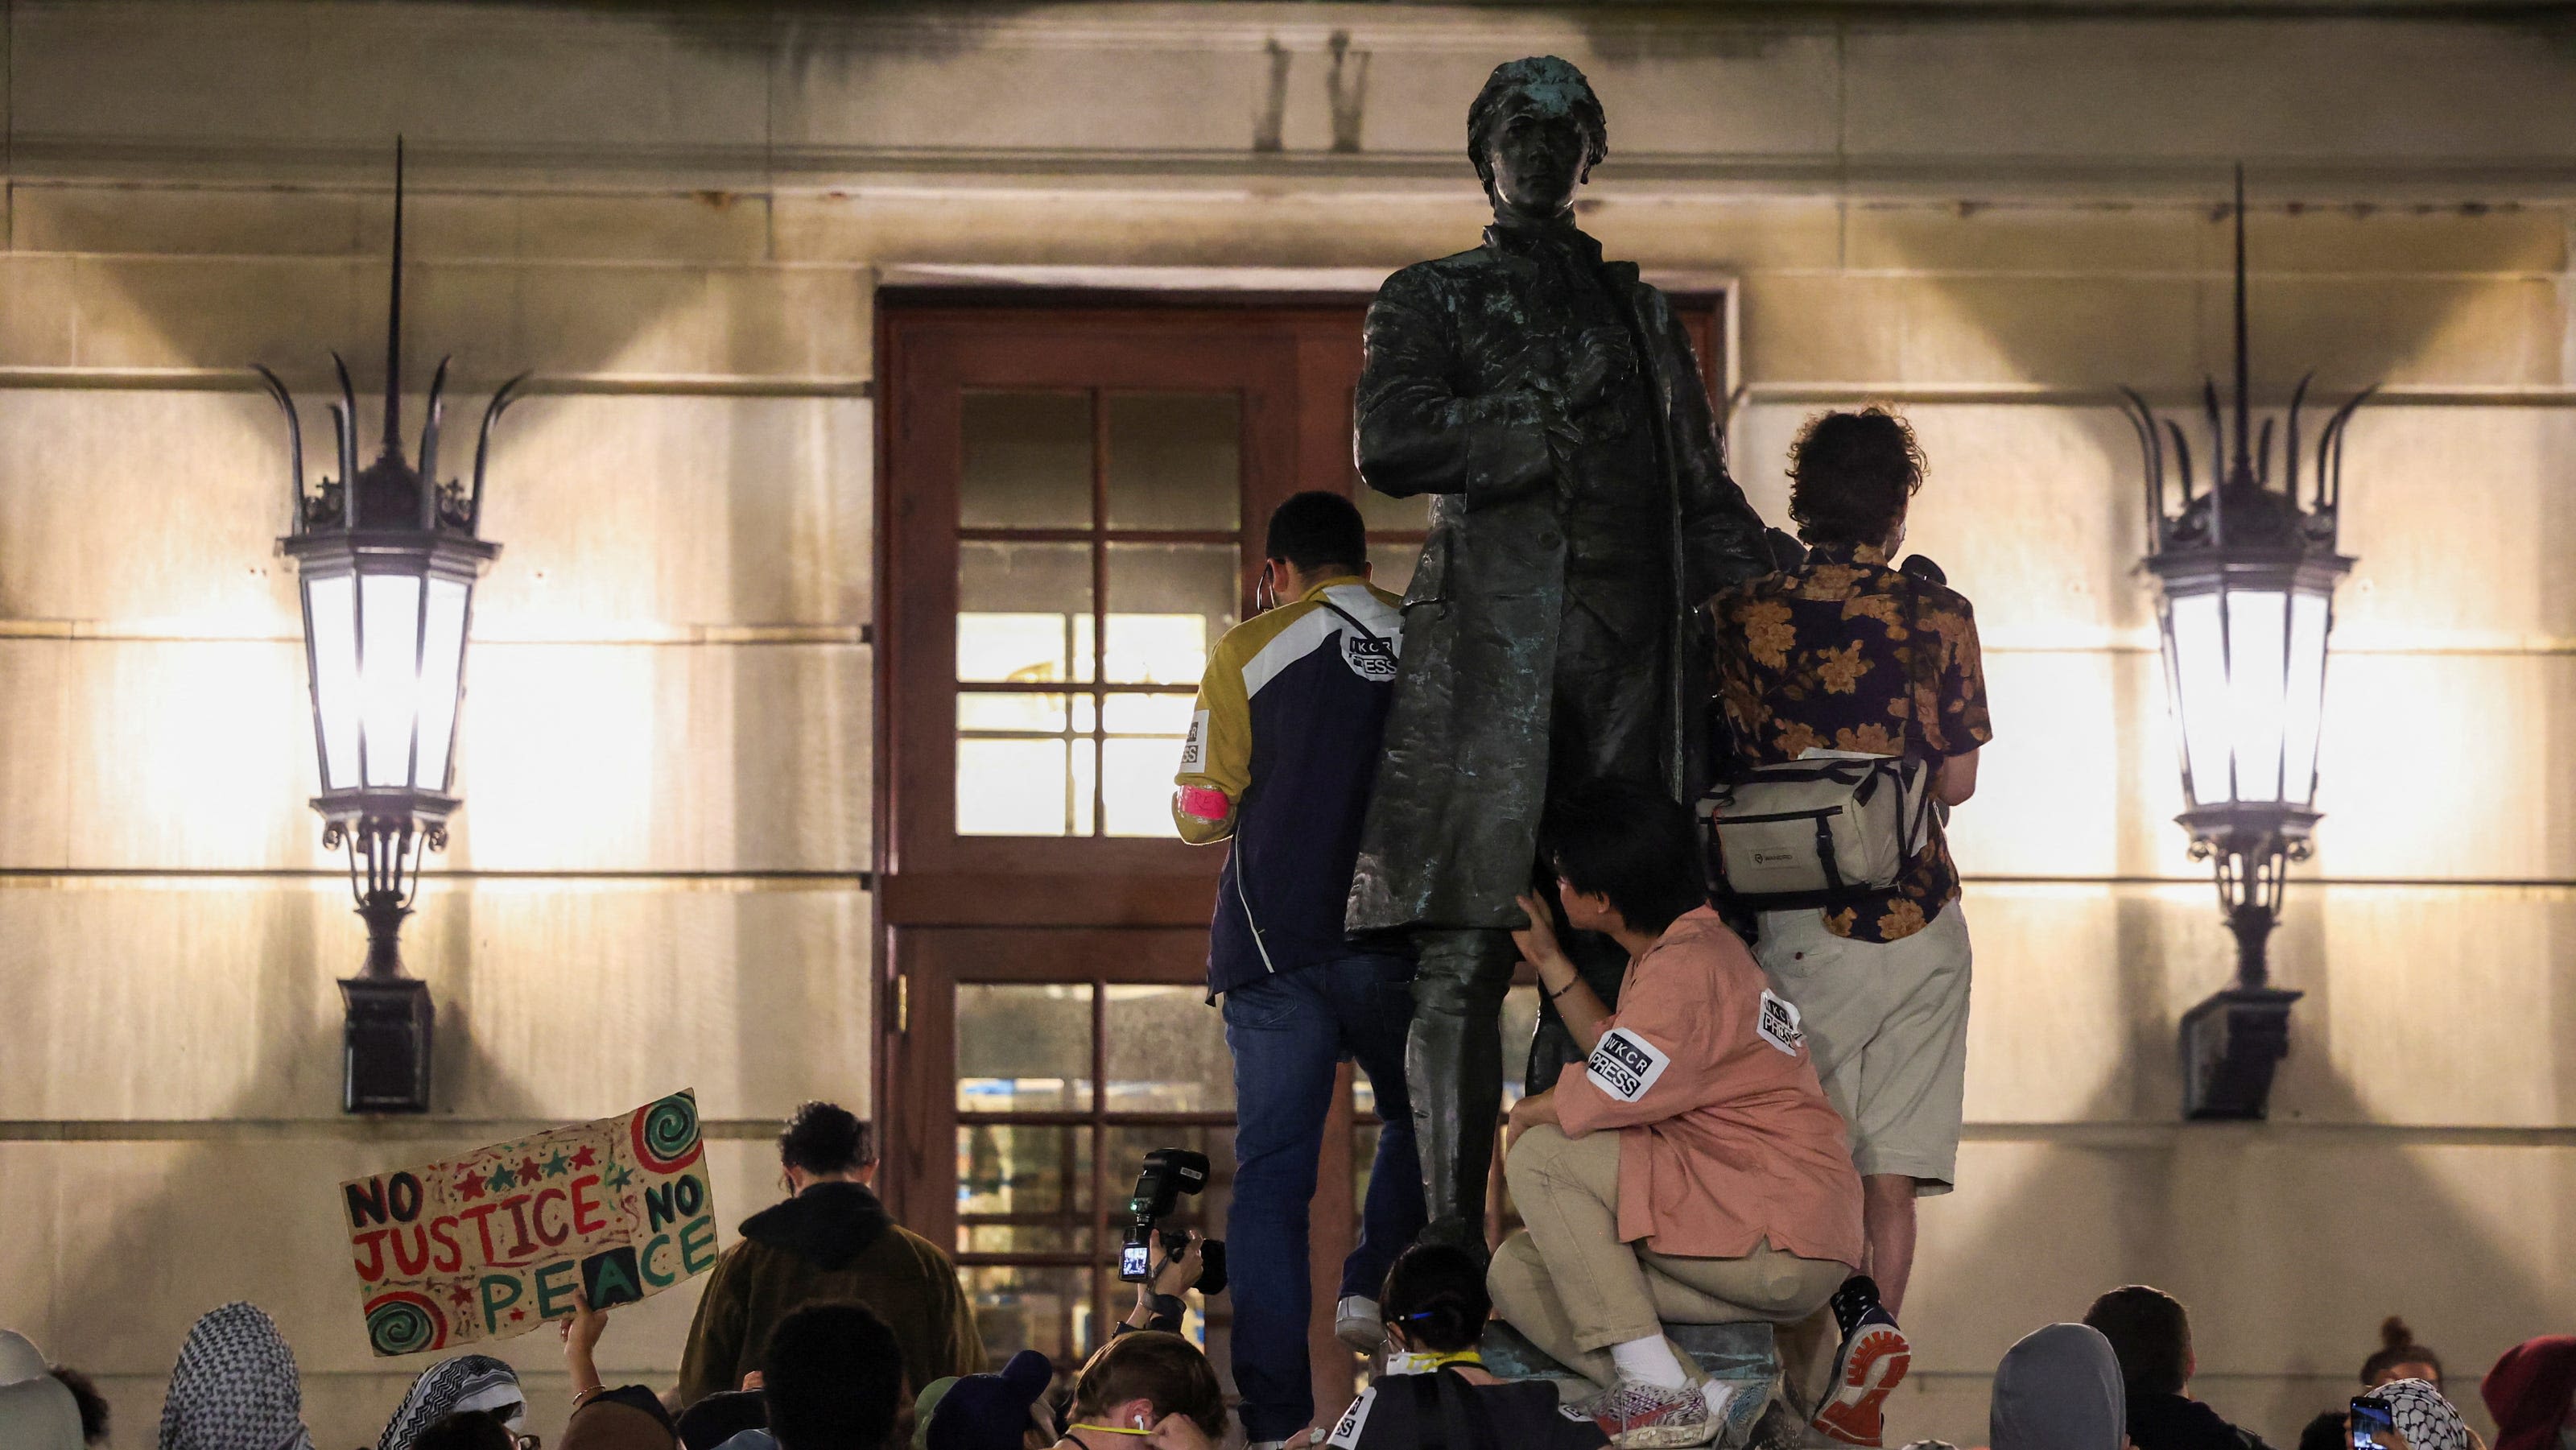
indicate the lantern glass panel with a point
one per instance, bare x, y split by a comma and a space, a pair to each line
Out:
331, 602
2199, 669
442, 660
2258, 629
389, 673
2304, 704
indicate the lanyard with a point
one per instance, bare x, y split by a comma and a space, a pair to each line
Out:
1430, 1363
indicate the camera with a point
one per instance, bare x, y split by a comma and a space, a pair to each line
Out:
1168, 1173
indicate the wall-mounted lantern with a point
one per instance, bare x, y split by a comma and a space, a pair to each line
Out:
386, 560
2247, 572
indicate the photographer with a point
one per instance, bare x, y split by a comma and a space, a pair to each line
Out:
1693, 1171
1281, 755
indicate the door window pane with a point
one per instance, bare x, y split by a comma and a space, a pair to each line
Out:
1168, 604
1022, 787
1167, 1052
1024, 612
1023, 1048
1175, 461
1021, 1307
1136, 785
1027, 461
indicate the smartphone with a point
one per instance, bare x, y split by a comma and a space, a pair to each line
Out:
2374, 1425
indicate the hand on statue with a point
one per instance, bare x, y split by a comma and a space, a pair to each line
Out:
1537, 941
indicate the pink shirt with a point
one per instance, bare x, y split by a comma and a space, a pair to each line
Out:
1725, 1136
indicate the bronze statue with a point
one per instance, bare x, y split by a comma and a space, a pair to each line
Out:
1581, 512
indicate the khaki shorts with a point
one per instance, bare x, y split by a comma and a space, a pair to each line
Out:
1887, 1026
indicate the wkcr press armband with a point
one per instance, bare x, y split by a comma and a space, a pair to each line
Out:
1815, 832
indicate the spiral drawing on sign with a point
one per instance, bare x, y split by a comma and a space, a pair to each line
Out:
666, 1134
404, 1322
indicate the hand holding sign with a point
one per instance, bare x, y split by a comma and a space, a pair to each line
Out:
496, 1242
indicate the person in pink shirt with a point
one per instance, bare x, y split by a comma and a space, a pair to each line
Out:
1694, 1172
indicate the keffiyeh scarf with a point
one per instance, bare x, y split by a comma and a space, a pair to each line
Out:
467, 1382
2428, 1421
235, 1387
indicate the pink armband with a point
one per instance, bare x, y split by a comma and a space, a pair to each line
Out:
1202, 804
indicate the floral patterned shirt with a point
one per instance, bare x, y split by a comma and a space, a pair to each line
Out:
1846, 653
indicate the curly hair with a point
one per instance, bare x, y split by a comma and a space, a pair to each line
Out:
1554, 88
826, 1138
1851, 476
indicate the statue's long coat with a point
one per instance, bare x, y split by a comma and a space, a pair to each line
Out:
1446, 408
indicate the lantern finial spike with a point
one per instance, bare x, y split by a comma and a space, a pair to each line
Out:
2244, 406
393, 320
294, 443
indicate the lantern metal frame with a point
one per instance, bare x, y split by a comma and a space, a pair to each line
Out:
2240, 536
391, 518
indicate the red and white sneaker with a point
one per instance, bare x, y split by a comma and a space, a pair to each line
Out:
1871, 1364
1644, 1417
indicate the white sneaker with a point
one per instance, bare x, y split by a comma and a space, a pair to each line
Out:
1356, 1323
1648, 1417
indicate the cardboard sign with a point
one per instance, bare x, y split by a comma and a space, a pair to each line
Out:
496, 1242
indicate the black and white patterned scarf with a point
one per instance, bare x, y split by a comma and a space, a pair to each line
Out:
2424, 1417
235, 1387
467, 1382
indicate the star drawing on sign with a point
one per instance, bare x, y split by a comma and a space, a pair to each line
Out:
470, 1187
518, 1314
586, 1157
556, 1165
529, 1172
619, 1176
501, 1180
460, 1296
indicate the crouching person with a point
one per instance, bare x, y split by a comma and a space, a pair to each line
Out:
1693, 1173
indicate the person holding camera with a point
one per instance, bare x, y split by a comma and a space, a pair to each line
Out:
1282, 752
1846, 655
1693, 1172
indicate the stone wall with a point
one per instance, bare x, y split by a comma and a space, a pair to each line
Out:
680, 220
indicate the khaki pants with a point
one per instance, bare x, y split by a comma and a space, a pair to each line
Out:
1574, 1289
1887, 1027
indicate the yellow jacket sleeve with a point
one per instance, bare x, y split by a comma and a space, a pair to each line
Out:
1216, 760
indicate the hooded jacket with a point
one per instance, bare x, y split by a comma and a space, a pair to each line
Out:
833, 1242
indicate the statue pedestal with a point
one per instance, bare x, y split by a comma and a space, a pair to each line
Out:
1741, 1355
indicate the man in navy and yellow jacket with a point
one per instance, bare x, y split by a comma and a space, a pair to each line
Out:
1282, 750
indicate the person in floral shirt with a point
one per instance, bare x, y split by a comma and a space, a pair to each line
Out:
1846, 653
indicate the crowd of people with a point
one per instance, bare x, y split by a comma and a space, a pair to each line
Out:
830, 1373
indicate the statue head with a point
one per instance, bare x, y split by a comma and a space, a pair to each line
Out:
1535, 132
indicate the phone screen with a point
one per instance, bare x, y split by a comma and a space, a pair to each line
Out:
1135, 1262
2373, 1427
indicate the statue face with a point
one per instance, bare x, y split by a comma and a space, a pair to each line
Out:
1537, 161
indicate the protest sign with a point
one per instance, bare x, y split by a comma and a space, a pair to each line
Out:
496, 1242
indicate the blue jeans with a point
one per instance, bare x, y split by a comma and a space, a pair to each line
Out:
1289, 1034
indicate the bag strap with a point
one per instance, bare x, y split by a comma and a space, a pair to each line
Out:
1352, 620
